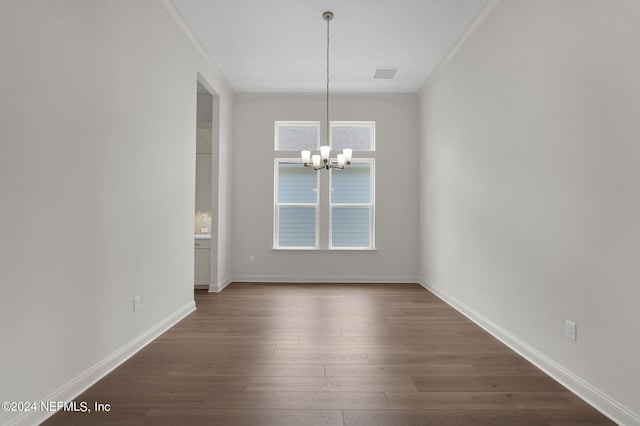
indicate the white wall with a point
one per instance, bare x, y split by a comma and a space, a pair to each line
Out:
225, 192
396, 189
97, 157
530, 208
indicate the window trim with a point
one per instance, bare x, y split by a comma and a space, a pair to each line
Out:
277, 205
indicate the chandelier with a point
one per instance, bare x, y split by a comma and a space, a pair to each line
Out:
323, 160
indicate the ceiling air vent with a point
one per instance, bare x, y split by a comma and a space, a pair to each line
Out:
385, 73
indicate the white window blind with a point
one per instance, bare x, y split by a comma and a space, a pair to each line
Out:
296, 205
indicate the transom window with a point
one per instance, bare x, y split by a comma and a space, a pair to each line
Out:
357, 135
297, 135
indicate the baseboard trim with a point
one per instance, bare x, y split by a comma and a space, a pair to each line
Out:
84, 381
325, 279
222, 286
590, 394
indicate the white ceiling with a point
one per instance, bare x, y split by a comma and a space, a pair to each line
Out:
280, 45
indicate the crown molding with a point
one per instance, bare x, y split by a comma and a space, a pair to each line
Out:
479, 19
323, 96
181, 22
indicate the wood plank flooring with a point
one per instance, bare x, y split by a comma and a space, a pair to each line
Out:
328, 354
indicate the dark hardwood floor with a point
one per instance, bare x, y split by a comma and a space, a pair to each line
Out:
328, 354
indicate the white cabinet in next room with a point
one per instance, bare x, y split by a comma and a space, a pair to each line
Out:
202, 262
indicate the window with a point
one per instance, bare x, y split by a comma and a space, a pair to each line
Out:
297, 135
357, 135
352, 206
346, 222
296, 206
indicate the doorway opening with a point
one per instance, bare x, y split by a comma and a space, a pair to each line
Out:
206, 184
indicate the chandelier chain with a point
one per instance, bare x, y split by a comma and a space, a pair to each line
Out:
328, 127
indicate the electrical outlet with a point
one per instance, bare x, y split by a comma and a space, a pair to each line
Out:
570, 330
252, 258
136, 303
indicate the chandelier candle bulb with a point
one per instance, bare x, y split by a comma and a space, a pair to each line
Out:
325, 151
347, 152
306, 157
